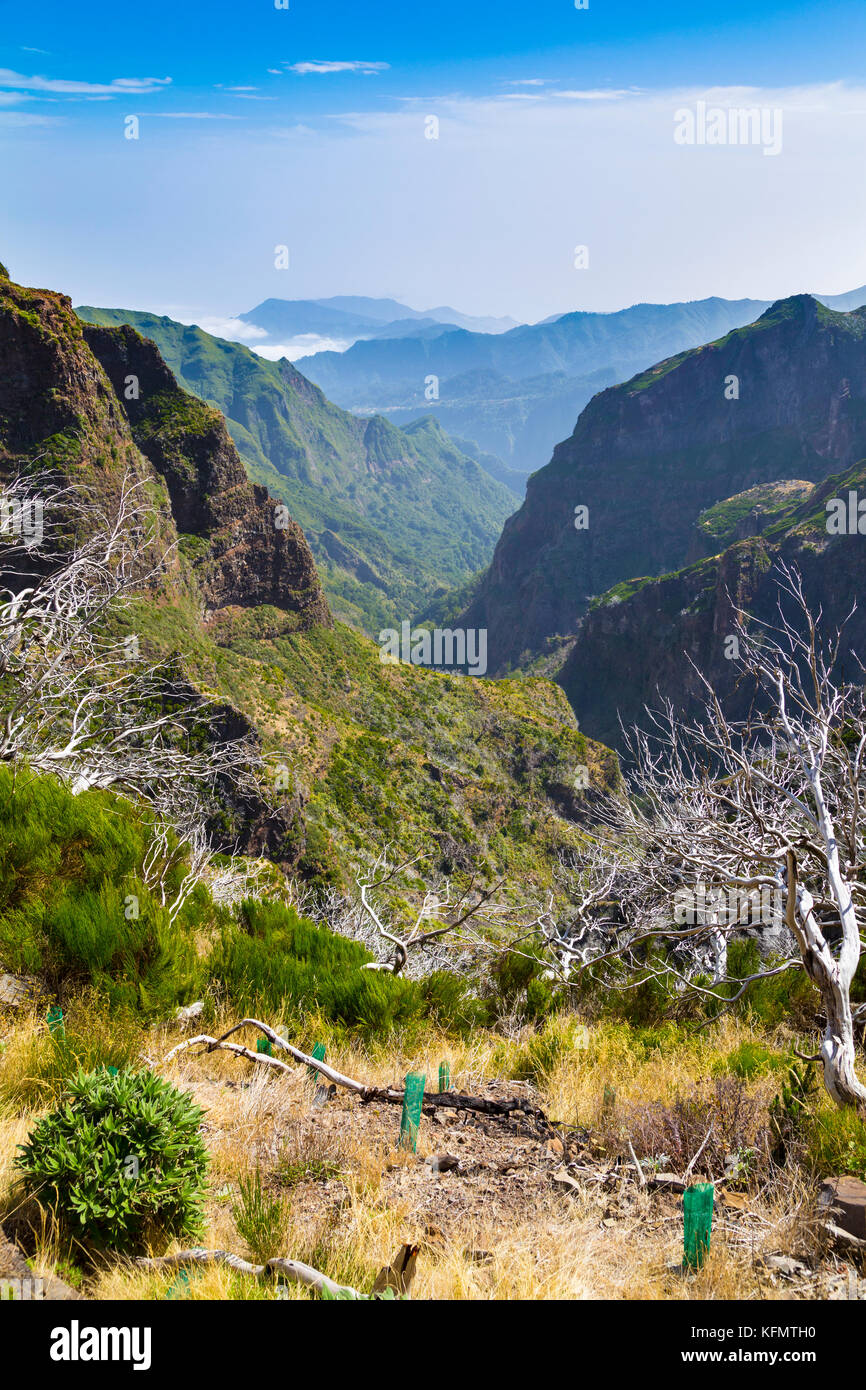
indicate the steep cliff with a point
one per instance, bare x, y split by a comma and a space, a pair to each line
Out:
481, 776
393, 516
784, 398
255, 553
646, 640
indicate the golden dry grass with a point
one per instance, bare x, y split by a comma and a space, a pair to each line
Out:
350, 1198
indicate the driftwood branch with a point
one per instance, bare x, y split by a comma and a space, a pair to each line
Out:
294, 1270
449, 1100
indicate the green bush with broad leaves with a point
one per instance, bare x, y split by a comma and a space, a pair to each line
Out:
120, 1162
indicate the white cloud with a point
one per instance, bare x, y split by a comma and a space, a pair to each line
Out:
304, 346
368, 69
119, 86
21, 118
597, 94
234, 329
193, 116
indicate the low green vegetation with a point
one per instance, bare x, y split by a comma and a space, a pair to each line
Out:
396, 518
120, 1162
74, 909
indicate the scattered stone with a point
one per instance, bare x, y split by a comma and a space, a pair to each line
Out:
844, 1198
443, 1163
785, 1265
739, 1201
843, 1239
15, 990
446, 1117
18, 1282
191, 1011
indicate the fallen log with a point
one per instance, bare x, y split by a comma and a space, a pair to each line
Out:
451, 1100
294, 1270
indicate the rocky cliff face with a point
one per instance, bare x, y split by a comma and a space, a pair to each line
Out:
645, 642
256, 553
97, 404
489, 775
783, 398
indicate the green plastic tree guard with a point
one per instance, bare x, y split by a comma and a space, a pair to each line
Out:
264, 1045
319, 1053
413, 1100
698, 1220
55, 1020
444, 1077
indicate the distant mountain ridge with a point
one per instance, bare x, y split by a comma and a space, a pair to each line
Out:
394, 517
356, 316
649, 456
517, 394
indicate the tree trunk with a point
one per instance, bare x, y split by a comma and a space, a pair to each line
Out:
838, 1052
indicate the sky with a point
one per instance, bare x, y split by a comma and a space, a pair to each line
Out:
567, 169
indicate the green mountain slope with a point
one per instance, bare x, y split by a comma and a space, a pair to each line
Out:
636, 645
480, 775
394, 517
648, 457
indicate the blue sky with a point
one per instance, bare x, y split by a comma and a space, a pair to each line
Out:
306, 127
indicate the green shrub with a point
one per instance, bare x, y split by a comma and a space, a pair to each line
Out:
448, 1001
518, 982
288, 964
261, 1220
72, 905
120, 1162
752, 1059
786, 998
835, 1142
618, 992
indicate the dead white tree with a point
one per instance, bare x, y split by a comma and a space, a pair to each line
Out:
758, 821
78, 701
440, 905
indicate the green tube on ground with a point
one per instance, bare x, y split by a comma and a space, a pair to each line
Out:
444, 1077
698, 1220
413, 1100
319, 1053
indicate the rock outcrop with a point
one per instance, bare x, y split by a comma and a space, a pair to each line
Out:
256, 553
645, 642
783, 398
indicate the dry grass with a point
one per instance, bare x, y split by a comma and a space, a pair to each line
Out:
351, 1197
